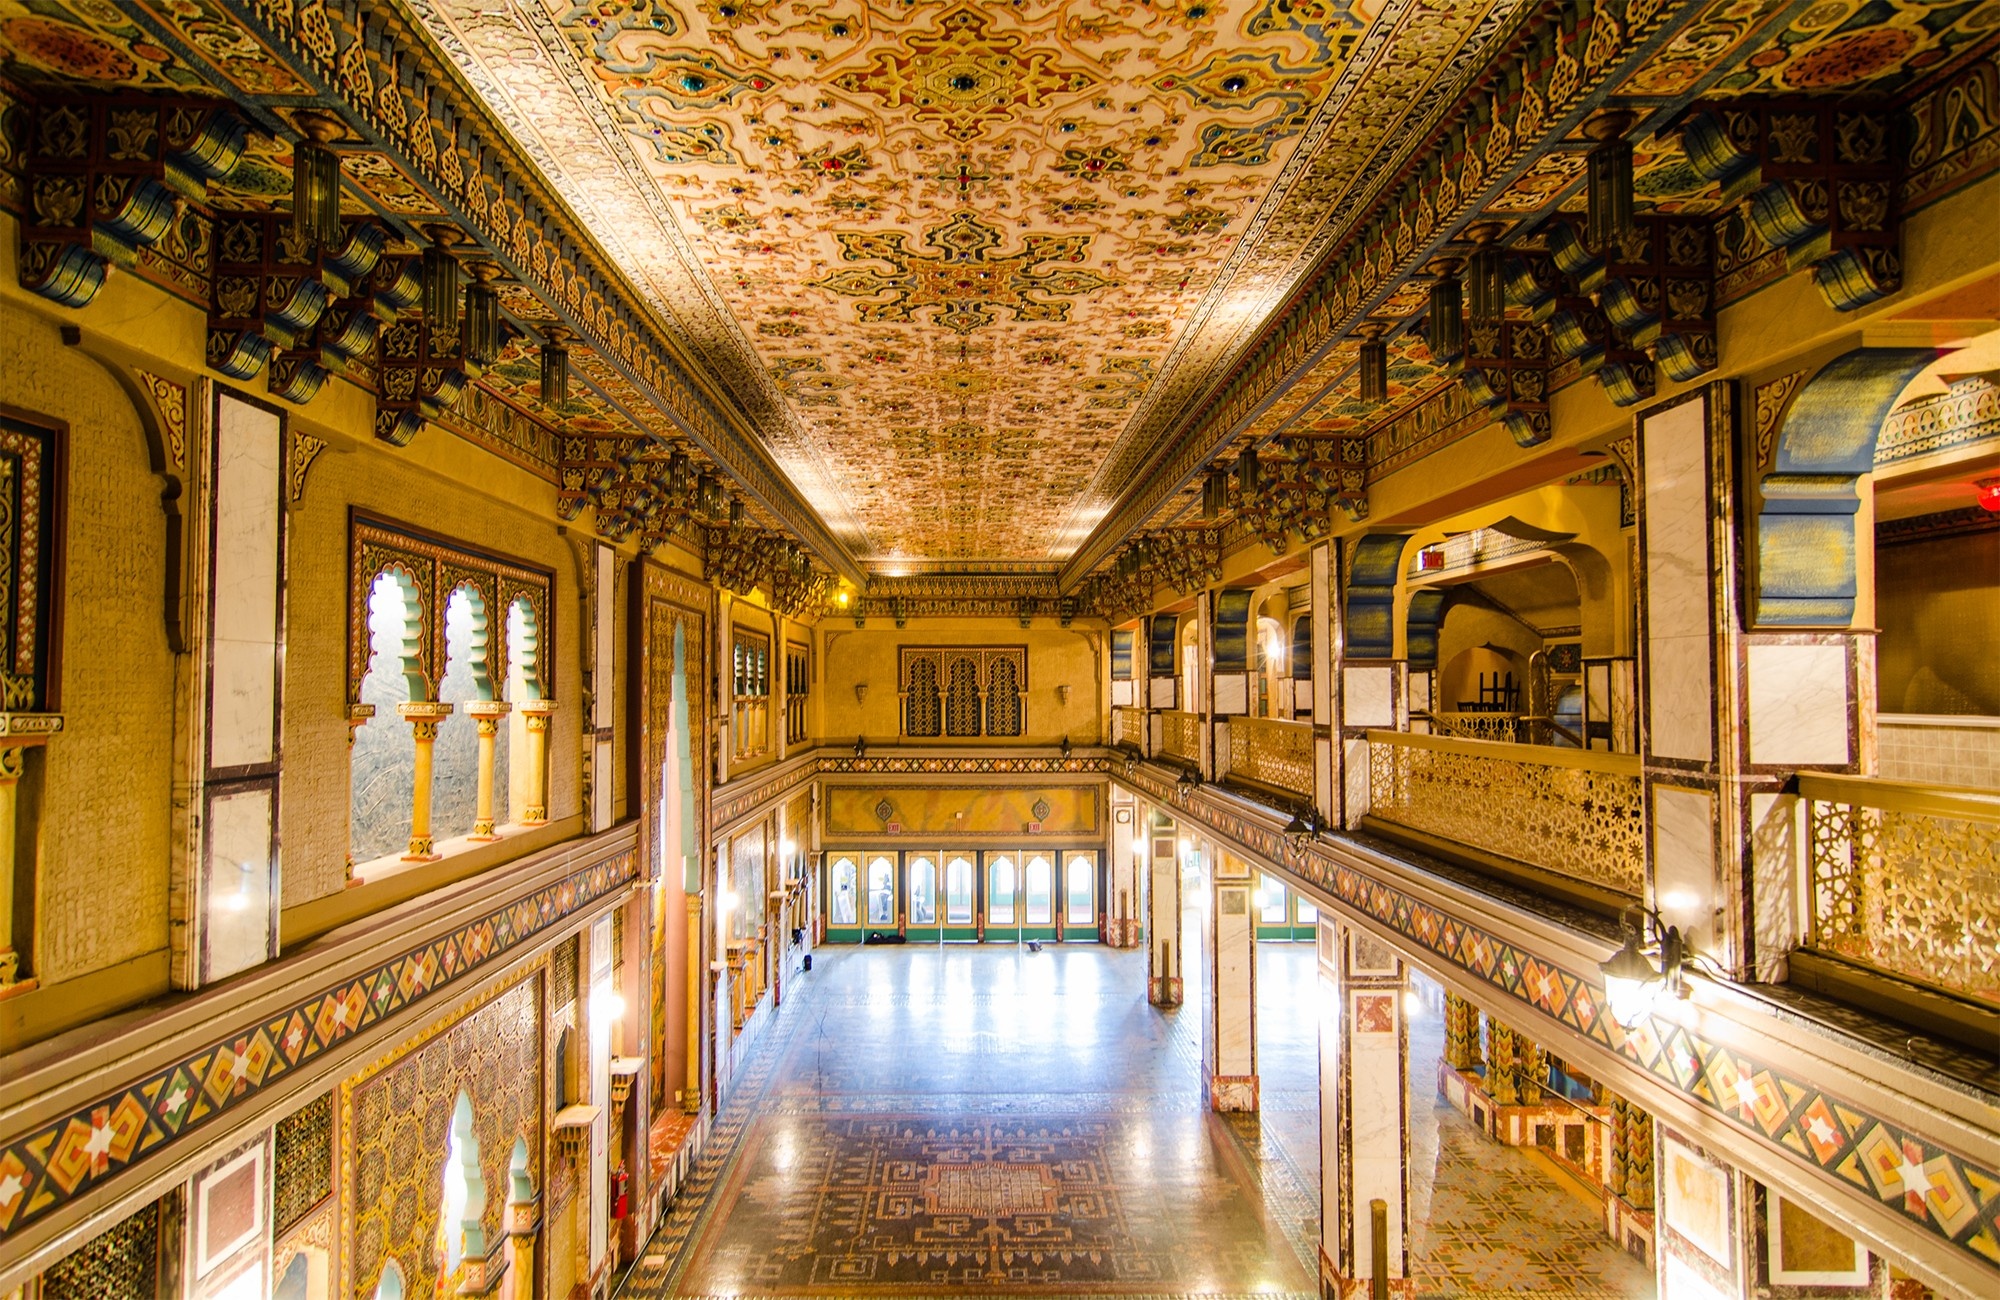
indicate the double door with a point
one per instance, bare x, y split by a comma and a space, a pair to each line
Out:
962, 896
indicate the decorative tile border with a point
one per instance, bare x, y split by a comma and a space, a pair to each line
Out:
730, 806
44, 1170
1937, 1190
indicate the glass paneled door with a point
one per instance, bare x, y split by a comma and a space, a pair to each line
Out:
843, 898
1003, 898
1079, 896
882, 893
1282, 914
1038, 896
920, 917
961, 889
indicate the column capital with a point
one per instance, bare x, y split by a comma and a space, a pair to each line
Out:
536, 708
424, 710
18, 729
488, 708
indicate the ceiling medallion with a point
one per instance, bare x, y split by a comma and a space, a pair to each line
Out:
965, 77
964, 279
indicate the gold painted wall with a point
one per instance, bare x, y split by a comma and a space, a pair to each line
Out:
107, 807
1077, 656
1938, 605
963, 812
395, 1126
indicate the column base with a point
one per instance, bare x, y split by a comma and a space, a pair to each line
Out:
482, 837
1233, 1092
1163, 992
1333, 1286
425, 856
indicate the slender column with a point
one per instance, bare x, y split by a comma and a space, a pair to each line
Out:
1163, 947
691, 1090
13, 761
487, 713
1229, 1056
524, 1224
423, 717
358, 716
1364, 1115
536, 713
1462, 1048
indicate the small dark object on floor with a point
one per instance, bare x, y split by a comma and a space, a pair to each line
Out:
884, 936
808, 962
1034, 945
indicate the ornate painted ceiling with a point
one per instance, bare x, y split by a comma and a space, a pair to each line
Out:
967, 262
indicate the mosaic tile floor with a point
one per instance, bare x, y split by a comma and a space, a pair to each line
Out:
923, 1122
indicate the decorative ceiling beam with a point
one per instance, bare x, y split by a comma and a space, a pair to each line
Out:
365, 64
1561, 70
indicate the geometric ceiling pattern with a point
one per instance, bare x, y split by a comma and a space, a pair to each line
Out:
967, 263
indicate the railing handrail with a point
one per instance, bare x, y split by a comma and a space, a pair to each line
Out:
1967, 802
1588, 760
1282, 724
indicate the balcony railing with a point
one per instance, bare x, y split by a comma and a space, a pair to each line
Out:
1906, 879
1128, 727
1180, 736
1573, 813
1273, 753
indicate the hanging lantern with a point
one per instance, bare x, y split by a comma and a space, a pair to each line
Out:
1486, 286
1214, 496
441, 287
316, 181
1445, 330
735, 511
1608, 187
704, 495
1374, 371
1246, 473
555, 369
482, 318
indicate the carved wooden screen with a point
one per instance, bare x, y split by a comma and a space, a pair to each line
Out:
961, 695
963, 691
923, 710
1003, 699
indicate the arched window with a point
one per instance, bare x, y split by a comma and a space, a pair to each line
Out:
382, 768
389, 1286
961, 697
882, 891
1040, 876
1302, 648
459, 1219
923, 891
1003, 699
958, 891
455, 761
1082, 868
924, 713
842, 889
1000, 892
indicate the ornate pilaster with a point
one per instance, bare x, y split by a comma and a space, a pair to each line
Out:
1364, 1066
487, 714
423, 717
1462, 1048
1502, 1060
19, 732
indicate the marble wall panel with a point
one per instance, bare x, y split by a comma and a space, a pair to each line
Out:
247, 592
1684, 861
1368, 697
1798, 704
1680, 691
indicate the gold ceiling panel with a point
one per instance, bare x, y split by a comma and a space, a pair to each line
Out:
965, 264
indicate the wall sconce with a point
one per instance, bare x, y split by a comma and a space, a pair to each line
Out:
1651, 965
1184, 785
1303, 828
1374, 367
1062, 694
1065, 749
861, 692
